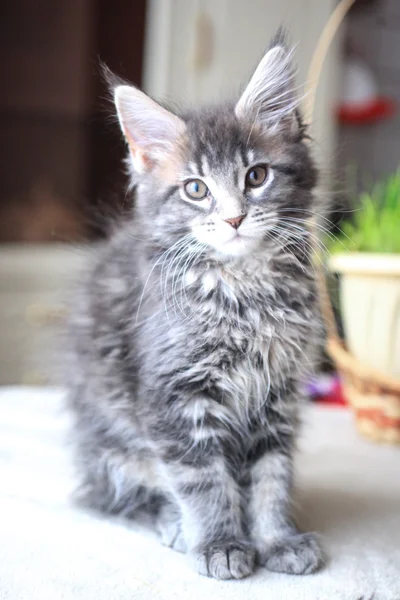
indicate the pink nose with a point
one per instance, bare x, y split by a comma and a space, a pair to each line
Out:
235, 222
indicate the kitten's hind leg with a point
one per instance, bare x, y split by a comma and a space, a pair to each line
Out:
169, 526
118, 483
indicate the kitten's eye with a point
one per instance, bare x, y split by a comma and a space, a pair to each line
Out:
196, 189
256, 176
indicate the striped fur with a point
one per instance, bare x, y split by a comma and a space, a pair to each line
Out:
191, 338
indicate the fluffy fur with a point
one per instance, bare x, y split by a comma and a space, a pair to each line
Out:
196, 327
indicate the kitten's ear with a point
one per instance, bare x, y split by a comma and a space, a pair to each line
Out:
149, 129
270, 94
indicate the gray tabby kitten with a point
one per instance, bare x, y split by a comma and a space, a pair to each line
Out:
197, 326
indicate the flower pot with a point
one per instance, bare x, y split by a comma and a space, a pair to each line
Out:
370, 366
370, 305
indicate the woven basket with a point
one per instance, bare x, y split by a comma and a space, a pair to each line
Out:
374, 397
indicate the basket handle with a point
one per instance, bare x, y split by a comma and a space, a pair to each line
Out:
314, 74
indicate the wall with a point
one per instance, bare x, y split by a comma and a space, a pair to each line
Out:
198, 51
375, 148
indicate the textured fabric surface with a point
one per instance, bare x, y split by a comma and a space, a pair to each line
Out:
347, 489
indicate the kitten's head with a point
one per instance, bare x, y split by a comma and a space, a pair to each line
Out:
231, 178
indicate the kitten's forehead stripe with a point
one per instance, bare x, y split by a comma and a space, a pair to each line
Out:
204, 165
197, 157
217, 135
191, 165
243, 155
220, 146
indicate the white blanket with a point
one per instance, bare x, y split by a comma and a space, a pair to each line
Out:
348, 489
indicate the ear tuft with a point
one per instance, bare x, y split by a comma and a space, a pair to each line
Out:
270, 95
111, 79
280, 39
149, 129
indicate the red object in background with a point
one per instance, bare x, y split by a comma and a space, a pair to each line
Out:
369, 112
327, 389
360, 100
334, 396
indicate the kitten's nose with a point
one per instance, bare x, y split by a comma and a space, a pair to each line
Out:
235, 222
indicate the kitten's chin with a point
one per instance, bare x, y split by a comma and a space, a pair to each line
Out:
236, 247
225, 245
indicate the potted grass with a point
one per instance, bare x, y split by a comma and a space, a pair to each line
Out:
366, 255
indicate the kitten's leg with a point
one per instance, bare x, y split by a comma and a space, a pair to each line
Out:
211, 505
280, 546
200, 478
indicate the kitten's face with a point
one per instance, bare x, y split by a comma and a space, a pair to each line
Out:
226, 187
230, 222
226, 179
232, 184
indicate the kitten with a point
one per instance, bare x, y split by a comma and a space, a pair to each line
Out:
197, 325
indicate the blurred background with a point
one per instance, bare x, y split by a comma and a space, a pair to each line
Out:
61, 148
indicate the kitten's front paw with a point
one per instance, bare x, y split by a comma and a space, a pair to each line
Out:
298, 554
226, 560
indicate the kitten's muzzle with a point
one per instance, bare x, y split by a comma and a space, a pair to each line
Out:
236, 221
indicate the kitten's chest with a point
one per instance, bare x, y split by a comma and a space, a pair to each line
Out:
243, 306
252, 334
